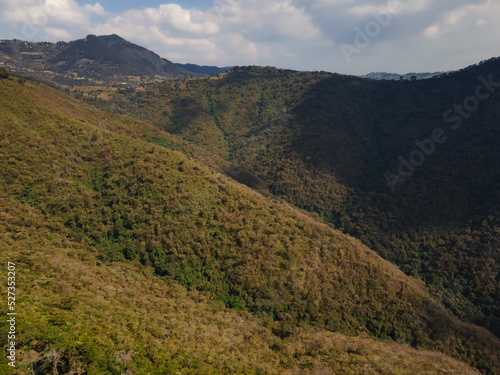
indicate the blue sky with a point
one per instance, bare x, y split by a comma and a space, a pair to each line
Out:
345, 36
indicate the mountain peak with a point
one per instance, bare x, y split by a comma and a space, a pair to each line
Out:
93, 60
109, 40
103, 37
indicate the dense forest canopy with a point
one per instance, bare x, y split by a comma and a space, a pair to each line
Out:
335, 145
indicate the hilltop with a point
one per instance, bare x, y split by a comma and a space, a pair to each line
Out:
204, 69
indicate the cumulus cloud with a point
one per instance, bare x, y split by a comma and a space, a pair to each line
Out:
96, 9
49, 20
55, 33
302, 34
173, 18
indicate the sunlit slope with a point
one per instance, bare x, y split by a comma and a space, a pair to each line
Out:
115, 198
79, 315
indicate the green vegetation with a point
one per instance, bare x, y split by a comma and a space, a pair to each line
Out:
79, 315
323, 143
3, 73
122, 244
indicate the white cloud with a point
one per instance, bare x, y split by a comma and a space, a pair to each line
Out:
50, 20
172, 15
455, 16
280, 20
201, 45
96, 9
59, 34
432, 31
241, 46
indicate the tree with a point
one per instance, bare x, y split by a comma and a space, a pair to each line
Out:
3, 73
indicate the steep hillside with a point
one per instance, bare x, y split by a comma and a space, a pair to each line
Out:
107, 230
334, 145
79, 315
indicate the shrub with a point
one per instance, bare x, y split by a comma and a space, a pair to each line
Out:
3, 73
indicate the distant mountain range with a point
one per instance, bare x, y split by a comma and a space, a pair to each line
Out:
110, 59
396, 76
94, 60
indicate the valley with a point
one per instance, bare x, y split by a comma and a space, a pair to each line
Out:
257, 221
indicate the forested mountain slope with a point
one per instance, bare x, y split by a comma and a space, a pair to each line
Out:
121, 245
341, 146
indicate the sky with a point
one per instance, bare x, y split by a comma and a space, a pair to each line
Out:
344, 36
